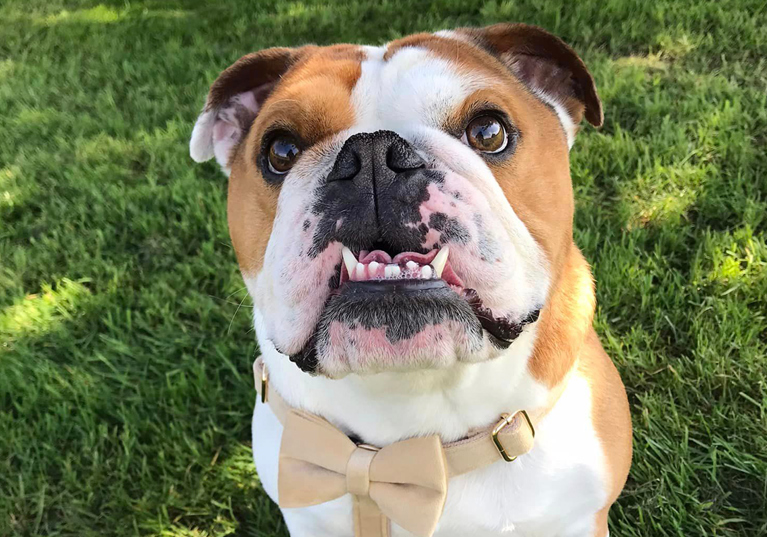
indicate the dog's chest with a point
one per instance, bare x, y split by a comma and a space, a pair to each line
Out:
553, 490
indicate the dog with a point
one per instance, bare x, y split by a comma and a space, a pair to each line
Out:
402, 217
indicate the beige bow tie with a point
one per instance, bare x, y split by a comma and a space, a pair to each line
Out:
405, 482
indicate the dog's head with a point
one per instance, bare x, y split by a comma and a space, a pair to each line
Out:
400, 207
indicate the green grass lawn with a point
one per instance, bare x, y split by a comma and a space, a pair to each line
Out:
125, 332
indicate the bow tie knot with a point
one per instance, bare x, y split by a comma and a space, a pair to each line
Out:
358, 470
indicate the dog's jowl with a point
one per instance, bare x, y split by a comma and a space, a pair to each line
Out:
402, 217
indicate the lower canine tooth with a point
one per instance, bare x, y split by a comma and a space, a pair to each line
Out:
426, 272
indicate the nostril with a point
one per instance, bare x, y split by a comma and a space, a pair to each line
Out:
346, 167
401, 157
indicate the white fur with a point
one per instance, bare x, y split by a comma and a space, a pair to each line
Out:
452, 34
568, 125
217, 131
413, 88
554, 490
288, 283
201, 143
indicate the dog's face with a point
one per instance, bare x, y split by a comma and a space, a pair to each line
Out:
400, 207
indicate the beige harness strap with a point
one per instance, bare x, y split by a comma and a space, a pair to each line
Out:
415, 505
369, 521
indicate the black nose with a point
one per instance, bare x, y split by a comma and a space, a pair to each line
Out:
371, 155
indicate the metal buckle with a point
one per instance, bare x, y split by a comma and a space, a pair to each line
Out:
264, 383
506, 419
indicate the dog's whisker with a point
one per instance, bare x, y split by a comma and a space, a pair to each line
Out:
225, 301
231, 321
238, 290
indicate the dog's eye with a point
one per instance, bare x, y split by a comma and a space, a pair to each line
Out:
487, 134
283, 152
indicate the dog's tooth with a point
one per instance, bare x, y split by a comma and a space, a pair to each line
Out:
411, 265
426, 272
440, 260
392, 271
349, 260
360, 272
373, 269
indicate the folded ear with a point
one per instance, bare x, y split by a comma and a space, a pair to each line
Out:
234, 101
544, 63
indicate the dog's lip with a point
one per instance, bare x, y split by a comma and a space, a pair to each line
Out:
396, 286
503, 329
381, 256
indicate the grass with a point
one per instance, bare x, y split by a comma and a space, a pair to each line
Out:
125, 336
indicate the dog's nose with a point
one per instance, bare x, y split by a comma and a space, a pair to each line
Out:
374, 154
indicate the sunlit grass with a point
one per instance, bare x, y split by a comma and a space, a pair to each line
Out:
98, 15
38, 313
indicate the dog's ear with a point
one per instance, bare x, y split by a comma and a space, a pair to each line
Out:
234, 101
544, 63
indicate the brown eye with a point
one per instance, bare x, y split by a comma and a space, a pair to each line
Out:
283, 152
486, 133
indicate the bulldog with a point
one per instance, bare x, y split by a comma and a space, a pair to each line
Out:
402, 218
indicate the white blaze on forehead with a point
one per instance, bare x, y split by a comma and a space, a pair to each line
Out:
414, 87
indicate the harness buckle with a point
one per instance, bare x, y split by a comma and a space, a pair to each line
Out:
264, 383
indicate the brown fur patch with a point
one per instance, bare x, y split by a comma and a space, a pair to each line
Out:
463, 55
610, 415
601, 523
565, 322
313, 99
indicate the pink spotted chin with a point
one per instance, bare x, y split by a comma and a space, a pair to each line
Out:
369, 350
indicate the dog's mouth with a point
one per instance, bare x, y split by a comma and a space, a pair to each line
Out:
403, 297
378, 266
